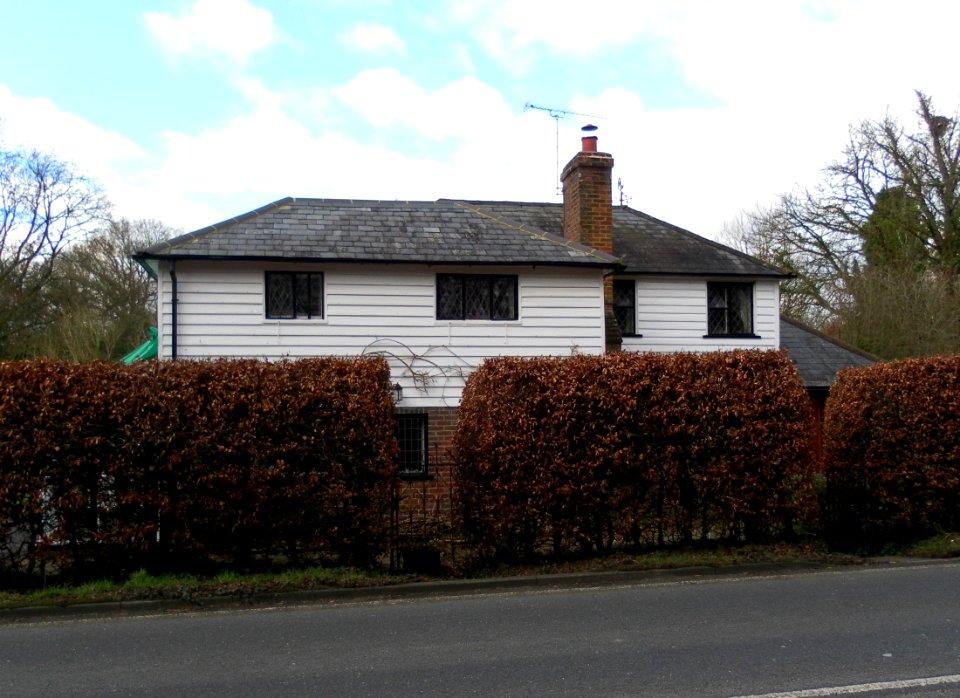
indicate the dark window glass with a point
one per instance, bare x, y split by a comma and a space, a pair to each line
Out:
729, 309
476, 297
291, 295
503, 301
280, 296
625, 306
412, 438
449, 297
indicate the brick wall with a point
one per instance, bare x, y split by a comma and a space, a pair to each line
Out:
432, 496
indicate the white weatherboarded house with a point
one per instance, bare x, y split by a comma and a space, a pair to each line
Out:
436, 287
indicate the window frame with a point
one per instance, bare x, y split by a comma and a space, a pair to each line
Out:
632, 307
489, 279
419, 422
312, 278
727, 286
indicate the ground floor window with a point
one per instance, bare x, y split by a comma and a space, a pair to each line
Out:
412, 438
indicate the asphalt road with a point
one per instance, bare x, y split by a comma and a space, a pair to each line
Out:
719, 637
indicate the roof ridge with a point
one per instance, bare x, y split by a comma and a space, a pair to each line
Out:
481, 202
538, 234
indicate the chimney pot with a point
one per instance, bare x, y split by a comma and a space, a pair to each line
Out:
588, 144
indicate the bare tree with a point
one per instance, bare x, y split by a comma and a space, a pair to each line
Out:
891, 202
101, 301
44, 204
903, 311
802, 240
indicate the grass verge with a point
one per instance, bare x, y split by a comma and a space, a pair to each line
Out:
942, 545
142, 585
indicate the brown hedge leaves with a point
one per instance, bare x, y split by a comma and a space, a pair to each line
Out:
165, 464
579, 453
892, 448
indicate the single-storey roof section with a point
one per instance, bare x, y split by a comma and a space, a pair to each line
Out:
818, 357
336, 230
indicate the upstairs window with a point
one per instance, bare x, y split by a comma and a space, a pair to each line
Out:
625, 307
412, 439
730, 310
294, 295
476, 297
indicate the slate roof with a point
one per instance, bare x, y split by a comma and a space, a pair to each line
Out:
818, 357
645, 245
338, 230
454, 232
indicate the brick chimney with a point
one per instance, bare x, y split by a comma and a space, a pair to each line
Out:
588, 215
587, 203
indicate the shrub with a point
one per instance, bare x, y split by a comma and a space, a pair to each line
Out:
892, 450
577, 453
161, 464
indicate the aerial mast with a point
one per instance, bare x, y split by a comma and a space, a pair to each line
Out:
558, 114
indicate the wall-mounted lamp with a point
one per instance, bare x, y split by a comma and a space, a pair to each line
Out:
397, 392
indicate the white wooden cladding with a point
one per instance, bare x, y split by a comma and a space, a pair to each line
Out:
672, 316
387, 310
390, 310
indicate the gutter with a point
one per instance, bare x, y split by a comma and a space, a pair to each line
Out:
148, 265
173, 310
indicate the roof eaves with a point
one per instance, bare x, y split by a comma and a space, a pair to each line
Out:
700, 274
427, 261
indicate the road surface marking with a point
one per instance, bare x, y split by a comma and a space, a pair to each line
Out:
861, 688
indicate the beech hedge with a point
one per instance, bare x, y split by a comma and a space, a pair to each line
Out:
892, 450
168, 465
580, 453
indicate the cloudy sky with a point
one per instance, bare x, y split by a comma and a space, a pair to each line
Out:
193, 111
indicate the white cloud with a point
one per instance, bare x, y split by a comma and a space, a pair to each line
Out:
747, 53
266, 154
463, 108
787, 79
515, 32
234, 28
37, 123
372, 37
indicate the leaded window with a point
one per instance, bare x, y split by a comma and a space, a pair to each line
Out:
294, 295
729, 309
476, 297
625, 306
412, 438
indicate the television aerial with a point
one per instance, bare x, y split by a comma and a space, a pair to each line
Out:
558, 114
